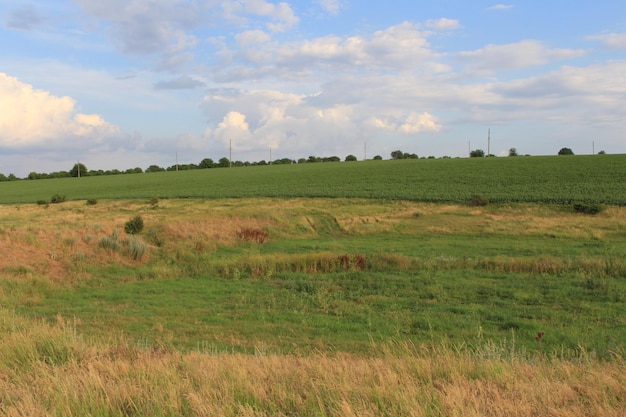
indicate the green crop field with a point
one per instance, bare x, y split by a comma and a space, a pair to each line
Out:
551, 179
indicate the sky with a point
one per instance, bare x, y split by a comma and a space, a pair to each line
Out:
120, 84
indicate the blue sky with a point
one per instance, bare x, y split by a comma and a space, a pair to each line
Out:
131, 83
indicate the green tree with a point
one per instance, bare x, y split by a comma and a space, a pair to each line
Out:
206, 163
477, 153
223, 162
350, 158
512, 152
79, 170
154, 168
397, 155
566, 151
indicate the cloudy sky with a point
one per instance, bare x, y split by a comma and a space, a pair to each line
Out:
130, 83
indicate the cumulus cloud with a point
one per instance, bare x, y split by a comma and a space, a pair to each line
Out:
611, 40
256, 119
517, 55
35, 117
402, 47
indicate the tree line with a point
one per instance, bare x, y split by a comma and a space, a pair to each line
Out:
80, 170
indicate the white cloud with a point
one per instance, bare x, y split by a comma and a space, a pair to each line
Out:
402, 47
330, 6
518, 55
443, 24
252, 37
34, 117
500, 7
611, 40
280, 15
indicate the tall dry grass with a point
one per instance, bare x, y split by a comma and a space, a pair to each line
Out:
50, 371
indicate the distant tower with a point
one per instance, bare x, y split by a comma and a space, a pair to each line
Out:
488, 141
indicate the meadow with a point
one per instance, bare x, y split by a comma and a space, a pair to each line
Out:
231, 304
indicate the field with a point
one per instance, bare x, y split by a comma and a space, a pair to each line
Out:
550, 179
233, 303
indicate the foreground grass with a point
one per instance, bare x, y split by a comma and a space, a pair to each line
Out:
49, 370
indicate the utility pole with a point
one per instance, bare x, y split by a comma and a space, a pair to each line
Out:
593, 148
270, 155
78, 168
365, 150
488, 141
176, 161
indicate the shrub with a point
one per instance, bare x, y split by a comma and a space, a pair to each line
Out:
92, 202
134, 225
588, 208
42, 202
478, 201
57, 198
153, 202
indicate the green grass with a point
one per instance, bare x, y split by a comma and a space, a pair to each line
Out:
301, 313
553, 179
451, 274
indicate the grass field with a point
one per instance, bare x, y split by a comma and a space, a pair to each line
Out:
551, 179
313, 306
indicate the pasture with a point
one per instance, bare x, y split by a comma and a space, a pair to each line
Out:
295, 300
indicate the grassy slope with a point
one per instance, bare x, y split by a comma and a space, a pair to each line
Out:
599, 178
430, 272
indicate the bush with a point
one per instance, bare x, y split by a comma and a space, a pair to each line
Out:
478, 201
588, 208
92, 202
42, 202
57, 198
134, 225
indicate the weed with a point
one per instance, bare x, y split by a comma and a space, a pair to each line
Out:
252, 235
57, 198
588, 208
135, 247
110, 242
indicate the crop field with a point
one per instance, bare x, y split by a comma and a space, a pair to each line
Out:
319, 289
550, 179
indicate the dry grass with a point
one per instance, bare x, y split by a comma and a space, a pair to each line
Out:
50, 371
